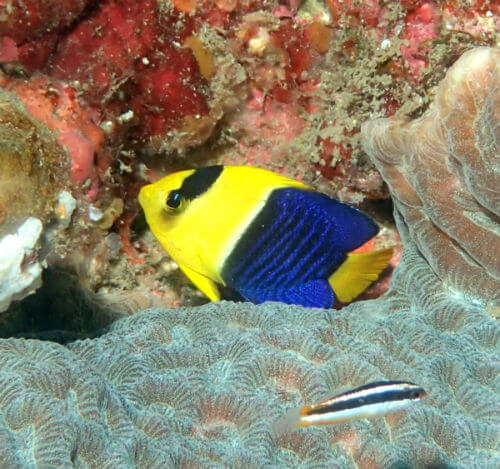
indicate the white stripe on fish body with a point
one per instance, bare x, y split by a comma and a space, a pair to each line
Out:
371, 400
369, 391
363, 412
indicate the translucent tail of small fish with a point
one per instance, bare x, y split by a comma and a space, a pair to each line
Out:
287, 423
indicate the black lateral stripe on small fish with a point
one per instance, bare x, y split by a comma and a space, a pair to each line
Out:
372, 393
200, 181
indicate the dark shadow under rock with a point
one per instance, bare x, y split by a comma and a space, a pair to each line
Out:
61, 311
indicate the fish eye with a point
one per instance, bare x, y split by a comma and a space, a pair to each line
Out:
174, 200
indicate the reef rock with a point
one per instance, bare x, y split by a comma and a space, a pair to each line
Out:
33, 166
19, 276
207, 387
22, 21
443, 171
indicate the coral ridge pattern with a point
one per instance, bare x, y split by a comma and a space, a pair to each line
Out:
443, 171
207, 386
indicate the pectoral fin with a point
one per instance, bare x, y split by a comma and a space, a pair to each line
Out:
206, 285
357, 272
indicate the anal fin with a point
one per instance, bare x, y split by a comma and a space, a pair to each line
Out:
312, 294
358, 272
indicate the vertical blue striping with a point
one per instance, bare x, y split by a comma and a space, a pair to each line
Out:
265, 255
279, 251
293, 245
304, 251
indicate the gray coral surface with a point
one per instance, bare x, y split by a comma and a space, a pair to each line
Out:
205, 387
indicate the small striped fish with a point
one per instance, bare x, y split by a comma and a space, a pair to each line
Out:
370, 400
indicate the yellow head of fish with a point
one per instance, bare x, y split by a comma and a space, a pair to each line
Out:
162, 203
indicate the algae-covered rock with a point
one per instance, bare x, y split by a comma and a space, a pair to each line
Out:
33, 166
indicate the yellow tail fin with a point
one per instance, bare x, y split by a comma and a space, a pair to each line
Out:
357, 272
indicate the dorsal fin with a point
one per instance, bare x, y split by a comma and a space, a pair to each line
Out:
352, 228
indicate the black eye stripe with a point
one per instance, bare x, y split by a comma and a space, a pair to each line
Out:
200, 181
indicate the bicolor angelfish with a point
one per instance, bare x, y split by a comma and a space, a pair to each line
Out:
245, 233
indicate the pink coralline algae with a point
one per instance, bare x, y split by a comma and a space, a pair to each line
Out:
29, 30
141, 66
54, 103
443, 172
26, 20
422, 24
126, 54
125, 58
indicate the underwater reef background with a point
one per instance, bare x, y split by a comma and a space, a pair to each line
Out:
98, 98
104, 96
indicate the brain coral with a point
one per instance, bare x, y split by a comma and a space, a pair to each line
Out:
206, 387
443, 171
